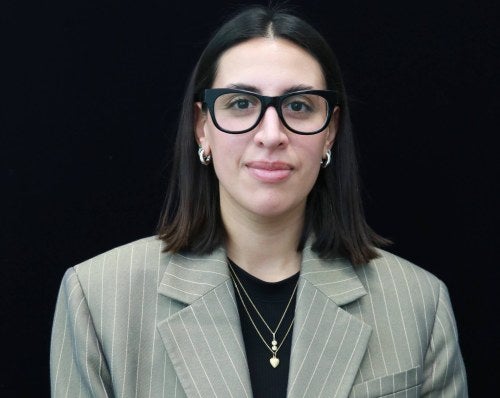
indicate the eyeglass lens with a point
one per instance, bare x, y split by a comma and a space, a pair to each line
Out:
303, 112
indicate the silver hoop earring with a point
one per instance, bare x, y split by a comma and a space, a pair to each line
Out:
205, 160
326, 162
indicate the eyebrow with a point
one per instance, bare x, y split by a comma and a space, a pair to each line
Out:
253, 89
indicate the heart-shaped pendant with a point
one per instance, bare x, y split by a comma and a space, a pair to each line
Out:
274, 361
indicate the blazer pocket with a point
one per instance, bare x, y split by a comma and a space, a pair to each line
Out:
402, 384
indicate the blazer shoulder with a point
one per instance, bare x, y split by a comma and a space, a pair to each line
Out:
391, 267
138, 256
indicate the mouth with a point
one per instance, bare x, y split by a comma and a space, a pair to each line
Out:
269, 171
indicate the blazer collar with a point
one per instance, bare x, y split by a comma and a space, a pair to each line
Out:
333, 277
189, 277
204, 341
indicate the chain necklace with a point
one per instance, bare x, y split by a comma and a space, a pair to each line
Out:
274, 347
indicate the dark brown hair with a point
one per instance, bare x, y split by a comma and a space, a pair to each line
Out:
191, 218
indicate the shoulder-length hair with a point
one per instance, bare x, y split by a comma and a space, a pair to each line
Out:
334, 216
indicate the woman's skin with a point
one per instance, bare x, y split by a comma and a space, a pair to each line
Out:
266, 174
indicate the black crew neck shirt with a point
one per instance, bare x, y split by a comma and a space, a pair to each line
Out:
271, 299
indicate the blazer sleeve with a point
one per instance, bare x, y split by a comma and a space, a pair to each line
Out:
444, 373
78, 367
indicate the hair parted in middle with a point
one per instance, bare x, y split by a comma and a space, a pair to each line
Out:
191, 219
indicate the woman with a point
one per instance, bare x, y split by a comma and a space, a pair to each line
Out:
265, 279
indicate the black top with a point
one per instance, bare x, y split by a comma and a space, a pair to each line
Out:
271, 299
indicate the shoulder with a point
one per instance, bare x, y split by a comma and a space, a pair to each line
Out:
134, 253
390, 278
391, 267
139, 260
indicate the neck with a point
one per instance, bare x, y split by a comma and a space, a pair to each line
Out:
265, 247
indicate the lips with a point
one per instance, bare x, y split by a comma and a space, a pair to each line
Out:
269, 171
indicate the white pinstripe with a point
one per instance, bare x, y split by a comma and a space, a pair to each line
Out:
401, 311
299, 293
227, 318
413, 306
180, 290
335, 360
431, 342
87, 355
89, 322
343, 293
225, 349
164, 363
300, 333
187, 280
101, 321
446, 350
141, 323
432, 291
197, 270
176, 380
337, 282
64, 336
322, 352
231, 294
154, 330
128, 320
368, 349
87, 335
75, 349
329, 271
212, 353
350, 359
196, 353
197, 259
184, 359
375, 323
388, 317
56, 384
450, 317
114, 316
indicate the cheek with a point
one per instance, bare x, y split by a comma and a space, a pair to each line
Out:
223, 145
312, 150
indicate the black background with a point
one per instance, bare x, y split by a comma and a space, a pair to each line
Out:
91, 91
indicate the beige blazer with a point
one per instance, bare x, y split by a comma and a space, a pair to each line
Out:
136, 322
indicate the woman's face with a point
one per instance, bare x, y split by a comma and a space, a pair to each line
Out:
269, 171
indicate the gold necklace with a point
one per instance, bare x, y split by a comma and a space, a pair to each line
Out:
274, 347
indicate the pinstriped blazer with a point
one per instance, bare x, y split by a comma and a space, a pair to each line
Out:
136, 322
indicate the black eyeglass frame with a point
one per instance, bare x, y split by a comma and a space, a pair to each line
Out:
210, 95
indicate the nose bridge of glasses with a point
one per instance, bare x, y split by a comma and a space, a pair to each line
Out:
274, 102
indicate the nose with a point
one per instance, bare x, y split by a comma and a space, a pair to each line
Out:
271, 132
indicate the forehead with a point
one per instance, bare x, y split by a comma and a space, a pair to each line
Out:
270, 65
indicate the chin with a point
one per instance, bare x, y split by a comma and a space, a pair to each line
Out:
274, 208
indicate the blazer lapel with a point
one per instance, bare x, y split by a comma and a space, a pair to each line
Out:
204, 339
204, 342
328, 343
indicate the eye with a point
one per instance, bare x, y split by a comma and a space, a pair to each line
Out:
297, 106
238, 102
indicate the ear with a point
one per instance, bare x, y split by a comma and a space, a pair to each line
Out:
332, 129
200, 121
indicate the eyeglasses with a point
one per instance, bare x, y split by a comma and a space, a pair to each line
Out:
236, 111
